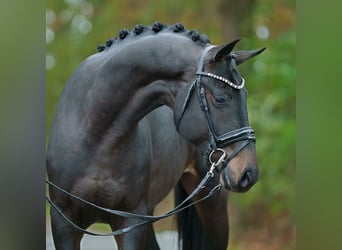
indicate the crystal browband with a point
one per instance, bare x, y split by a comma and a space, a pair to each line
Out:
223, 80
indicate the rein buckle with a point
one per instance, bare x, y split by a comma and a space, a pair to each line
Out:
215, 164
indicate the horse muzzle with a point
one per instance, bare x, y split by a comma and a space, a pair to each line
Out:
237, 165
243, 182
233, 155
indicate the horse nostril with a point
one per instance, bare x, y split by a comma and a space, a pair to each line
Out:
246, 179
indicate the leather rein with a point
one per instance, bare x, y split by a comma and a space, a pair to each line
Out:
245, 134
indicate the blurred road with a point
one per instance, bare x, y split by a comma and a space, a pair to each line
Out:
167, 241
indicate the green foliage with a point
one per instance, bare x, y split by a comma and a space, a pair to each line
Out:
271, 83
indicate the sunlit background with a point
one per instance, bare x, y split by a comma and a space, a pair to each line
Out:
263, 218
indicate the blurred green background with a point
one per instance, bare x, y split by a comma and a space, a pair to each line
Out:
264, 218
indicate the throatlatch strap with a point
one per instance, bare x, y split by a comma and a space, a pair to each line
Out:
185, 104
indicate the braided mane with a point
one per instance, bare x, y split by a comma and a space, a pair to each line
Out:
156, 28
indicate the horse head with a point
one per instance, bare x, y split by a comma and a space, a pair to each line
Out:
216, 121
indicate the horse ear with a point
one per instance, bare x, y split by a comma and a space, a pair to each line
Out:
244, 55
220, 52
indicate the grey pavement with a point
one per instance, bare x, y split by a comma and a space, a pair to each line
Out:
167, 240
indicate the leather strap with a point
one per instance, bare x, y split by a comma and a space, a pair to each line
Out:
146, 218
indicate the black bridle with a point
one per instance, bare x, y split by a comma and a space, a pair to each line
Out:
245, 134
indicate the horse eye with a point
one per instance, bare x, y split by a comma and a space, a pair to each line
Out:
220, 100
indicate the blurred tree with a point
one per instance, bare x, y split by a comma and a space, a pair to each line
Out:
235, 18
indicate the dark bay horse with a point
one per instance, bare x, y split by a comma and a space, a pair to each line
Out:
151, 111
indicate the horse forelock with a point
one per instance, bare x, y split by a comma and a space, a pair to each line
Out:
157, 27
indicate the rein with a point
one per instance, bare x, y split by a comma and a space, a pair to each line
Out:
146, 218
245, 134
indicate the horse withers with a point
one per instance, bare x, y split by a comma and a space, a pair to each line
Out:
156, 108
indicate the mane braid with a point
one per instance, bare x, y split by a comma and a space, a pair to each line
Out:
157, 27
138, 29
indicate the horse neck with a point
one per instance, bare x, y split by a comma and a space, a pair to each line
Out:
141, 76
